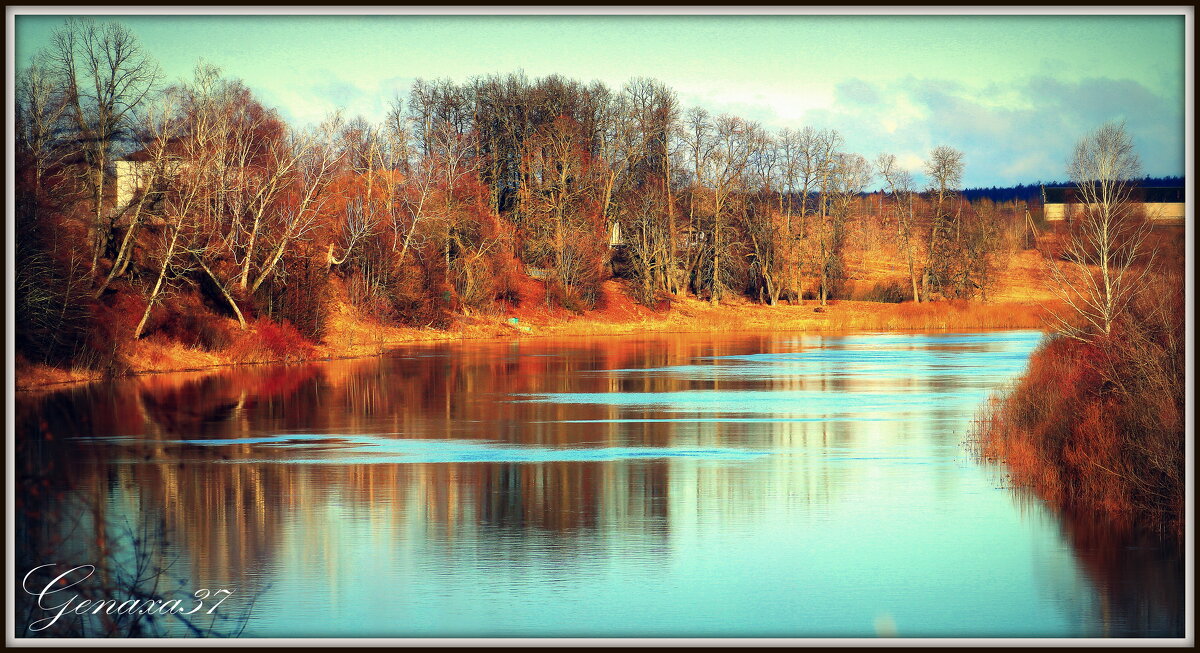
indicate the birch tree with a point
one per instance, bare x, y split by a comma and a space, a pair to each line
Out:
1100, 274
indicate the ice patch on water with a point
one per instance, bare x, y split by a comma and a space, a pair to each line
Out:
342, 449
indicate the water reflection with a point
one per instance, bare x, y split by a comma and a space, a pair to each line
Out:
675, 485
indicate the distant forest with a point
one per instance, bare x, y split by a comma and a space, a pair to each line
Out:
1033, 192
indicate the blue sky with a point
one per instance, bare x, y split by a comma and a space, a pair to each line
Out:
1013, 92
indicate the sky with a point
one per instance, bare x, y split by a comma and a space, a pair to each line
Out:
1014, 93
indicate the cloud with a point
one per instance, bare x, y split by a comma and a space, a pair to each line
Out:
1016, 132
311, 102
336, 90
856, 92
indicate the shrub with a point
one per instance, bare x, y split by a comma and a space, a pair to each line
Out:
297, 294
187, 321
422, 296
52, 288
111, 327
1099, 424
283, 340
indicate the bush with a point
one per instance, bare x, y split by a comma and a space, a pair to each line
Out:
422, 296
186, 320
267, 341
52, 289
283, 340
1099, 424
110, 329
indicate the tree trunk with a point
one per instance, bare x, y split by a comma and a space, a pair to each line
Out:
162, 273
228, 298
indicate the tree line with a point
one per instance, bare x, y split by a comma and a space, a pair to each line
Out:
134, 195
1032, 193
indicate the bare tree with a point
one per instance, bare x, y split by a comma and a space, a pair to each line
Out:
106, 77
790, 244
652, 111
725, 176
816, 154
162, 132
40, 107
182, 159
848, 176
944, 169
764, 221
900, 184
616, 148
1100, 277
698, 143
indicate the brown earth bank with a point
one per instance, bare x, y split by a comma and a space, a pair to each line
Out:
350, 333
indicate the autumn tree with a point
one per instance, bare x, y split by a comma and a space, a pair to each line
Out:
266, 187
559, 197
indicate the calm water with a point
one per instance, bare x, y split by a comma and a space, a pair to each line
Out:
682, 485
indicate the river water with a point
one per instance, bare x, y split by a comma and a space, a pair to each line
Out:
775, 485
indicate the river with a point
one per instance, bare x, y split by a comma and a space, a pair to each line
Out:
735, 485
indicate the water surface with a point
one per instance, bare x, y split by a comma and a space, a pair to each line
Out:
675, 485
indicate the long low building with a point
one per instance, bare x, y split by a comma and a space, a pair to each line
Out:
1161, 203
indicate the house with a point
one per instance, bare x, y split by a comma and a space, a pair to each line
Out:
1160, 203
132, 173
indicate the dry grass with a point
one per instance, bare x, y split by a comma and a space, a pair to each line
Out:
30, 376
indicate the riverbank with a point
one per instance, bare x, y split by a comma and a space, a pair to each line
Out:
1097, 423
351, 335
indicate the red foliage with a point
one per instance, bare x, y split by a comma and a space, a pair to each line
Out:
282, 340
111, 325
